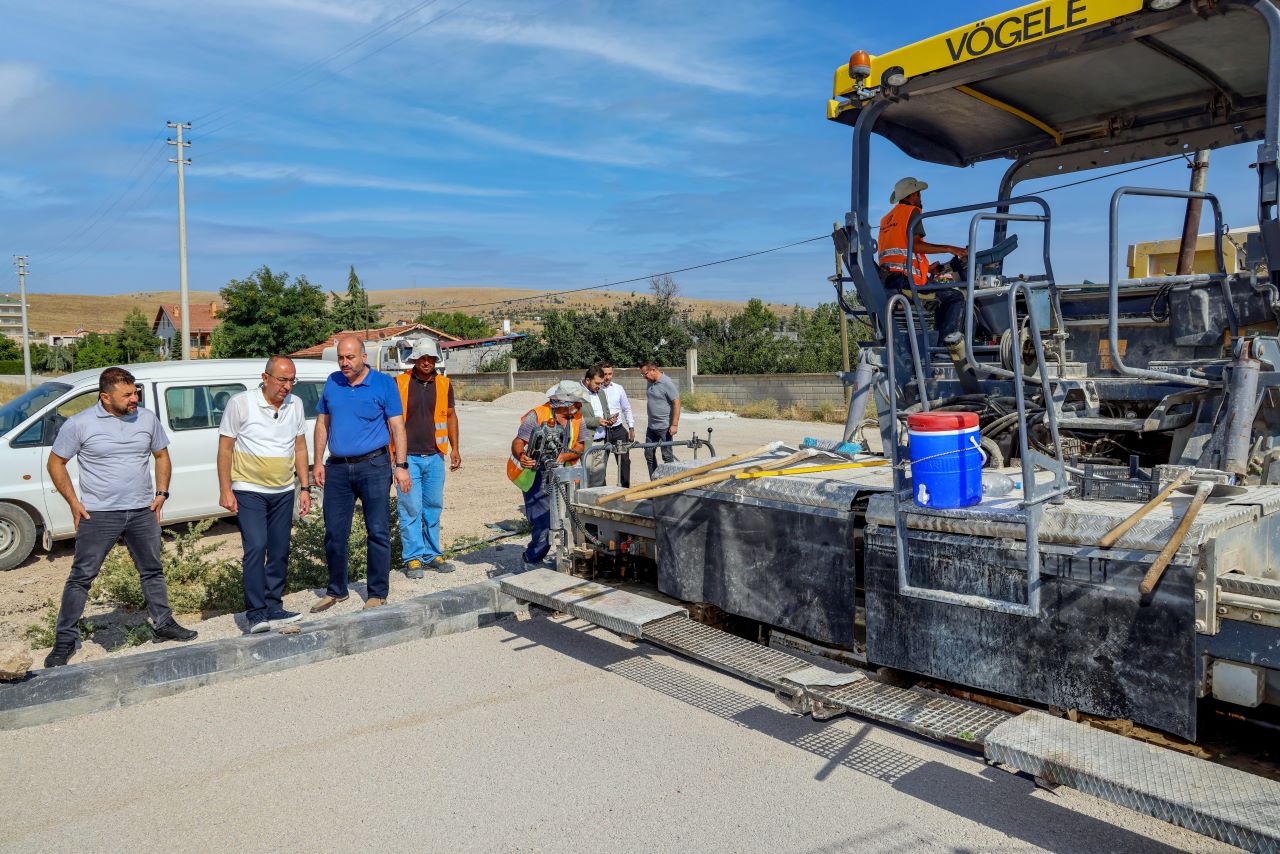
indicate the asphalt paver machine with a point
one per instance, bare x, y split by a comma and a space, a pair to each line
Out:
1101, 395
1094, 398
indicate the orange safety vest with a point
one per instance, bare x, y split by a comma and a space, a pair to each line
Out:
893, 245
442, 407
523, 477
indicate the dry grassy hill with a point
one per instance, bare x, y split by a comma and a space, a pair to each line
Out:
67, 312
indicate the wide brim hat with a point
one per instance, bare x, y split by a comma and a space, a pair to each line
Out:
906, 187
567, 393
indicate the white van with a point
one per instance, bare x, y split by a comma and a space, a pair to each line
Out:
189, 397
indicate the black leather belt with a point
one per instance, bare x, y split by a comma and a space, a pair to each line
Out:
359, 459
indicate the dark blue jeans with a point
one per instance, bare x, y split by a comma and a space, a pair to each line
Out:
657, 434
266, 523
94, 538
370, 482
537, 509
948, 309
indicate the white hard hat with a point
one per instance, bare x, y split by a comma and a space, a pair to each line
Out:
424, 346
906, 187
567, 393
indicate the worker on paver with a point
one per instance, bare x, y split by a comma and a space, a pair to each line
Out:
358, 414
262, 448
555, 424
431, 423
894, 263
115, 442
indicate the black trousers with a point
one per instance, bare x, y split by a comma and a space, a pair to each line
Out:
658, 434
94, 538
619, 433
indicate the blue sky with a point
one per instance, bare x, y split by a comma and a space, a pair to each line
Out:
546, 144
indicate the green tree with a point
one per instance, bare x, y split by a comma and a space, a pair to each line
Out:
634, 331
135, 339
9, 348
748, 342
98, 351
267, 314
56, 360
354, 311
456, 323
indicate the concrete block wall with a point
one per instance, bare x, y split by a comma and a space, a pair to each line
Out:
739, 389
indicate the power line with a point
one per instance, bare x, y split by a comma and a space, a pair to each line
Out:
773, 249
646, 276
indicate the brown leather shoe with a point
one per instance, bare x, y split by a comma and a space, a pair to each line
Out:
328, 602
373, 602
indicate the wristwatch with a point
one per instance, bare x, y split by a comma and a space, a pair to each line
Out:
402, 465
161, 494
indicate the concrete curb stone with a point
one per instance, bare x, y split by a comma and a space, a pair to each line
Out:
51, 695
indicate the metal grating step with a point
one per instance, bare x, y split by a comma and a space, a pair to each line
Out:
957, 722
1223, 803
723, 651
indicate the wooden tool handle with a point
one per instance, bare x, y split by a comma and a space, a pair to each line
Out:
1120, 530
725, 474
1152, 578
693, 472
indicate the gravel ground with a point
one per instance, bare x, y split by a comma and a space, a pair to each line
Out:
533, 735
475, 496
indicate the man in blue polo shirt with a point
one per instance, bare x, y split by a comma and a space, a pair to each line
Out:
359, 413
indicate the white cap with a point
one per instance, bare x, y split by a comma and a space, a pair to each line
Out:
567, 393
906, 187
424, 346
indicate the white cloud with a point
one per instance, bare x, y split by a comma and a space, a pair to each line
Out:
665, 57
329, 178
18, 82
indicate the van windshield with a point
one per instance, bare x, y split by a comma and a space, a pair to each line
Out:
20, 409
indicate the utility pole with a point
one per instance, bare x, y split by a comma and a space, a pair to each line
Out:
26, 332
1191, 224
183, 307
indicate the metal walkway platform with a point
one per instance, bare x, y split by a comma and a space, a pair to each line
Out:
1219, 802
1223, 803
809, 688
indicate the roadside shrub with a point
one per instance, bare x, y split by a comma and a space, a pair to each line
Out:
830, 412
767, 408
308, 567
704, 401
42, 635
11, 367
136, 635
197, 578
796, 412
200, 580
483, 393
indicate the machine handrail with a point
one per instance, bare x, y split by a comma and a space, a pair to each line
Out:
1113, 281
971, 274
891, 359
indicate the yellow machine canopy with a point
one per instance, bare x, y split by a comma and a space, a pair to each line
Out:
1071, 84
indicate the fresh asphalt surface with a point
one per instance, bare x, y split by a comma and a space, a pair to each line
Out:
536, 734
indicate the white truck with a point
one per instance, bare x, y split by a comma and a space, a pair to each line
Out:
189, 397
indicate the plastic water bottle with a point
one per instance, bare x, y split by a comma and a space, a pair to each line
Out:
995, 484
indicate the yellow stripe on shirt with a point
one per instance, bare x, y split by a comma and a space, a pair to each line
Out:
264, 471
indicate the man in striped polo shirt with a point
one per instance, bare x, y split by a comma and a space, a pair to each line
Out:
261, 450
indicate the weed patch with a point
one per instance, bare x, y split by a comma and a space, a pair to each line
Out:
484, 393
43, 634
767, 408
704, 401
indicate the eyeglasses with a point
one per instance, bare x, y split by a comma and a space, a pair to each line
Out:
283, 380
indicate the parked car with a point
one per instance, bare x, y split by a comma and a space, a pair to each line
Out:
189, 397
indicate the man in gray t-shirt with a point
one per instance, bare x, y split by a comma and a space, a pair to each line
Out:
115, 443
663, 404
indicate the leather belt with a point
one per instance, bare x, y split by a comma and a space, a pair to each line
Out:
359, 459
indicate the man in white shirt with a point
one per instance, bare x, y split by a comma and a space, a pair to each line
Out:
622, 427
262, 448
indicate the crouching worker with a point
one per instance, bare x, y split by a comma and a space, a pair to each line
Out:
555, 424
